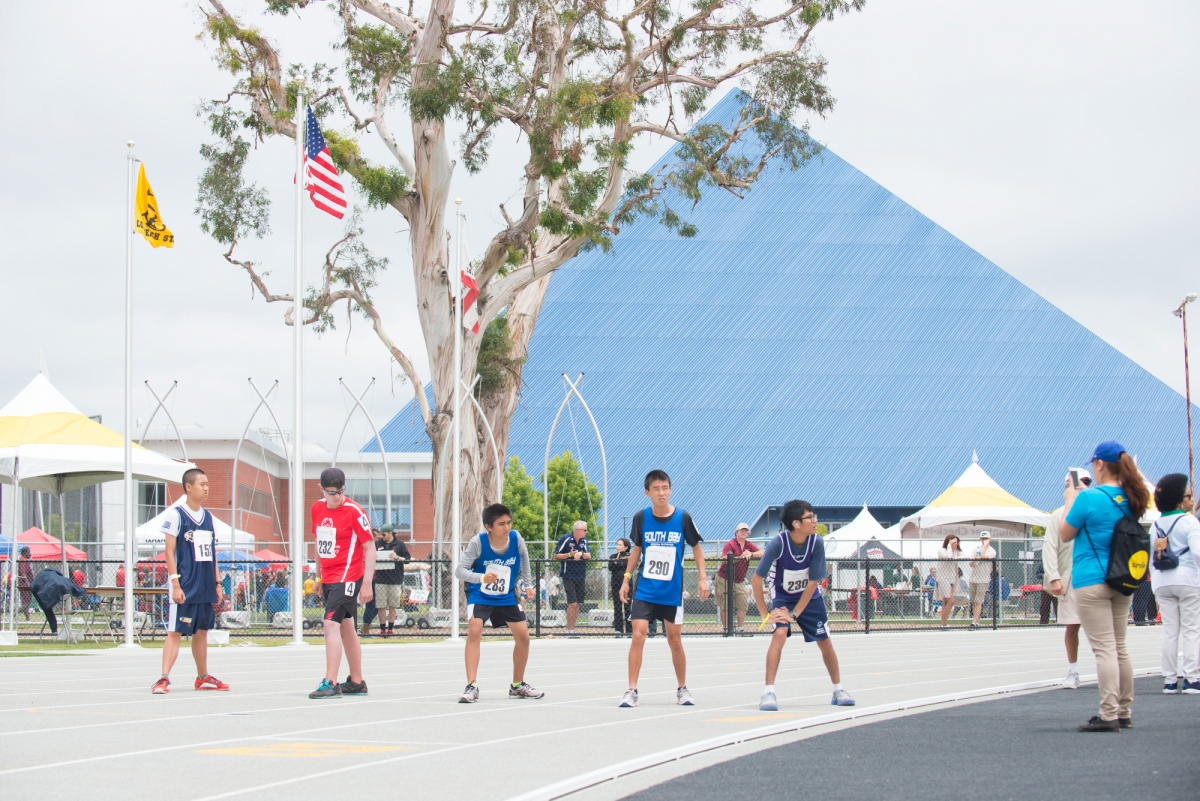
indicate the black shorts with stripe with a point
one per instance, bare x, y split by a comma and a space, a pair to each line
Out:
341, 602
497, 615
644, 610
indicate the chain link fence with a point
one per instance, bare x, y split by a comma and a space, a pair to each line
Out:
862, 595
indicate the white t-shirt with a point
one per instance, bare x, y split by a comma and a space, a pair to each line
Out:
1185, 533
981, 571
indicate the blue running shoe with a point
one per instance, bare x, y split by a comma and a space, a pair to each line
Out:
841, 698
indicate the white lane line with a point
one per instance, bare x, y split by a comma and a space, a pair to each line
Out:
611, 772
647, 679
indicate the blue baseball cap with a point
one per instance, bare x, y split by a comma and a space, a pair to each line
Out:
1108, 451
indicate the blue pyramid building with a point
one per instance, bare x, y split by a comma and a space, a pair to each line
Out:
819, 339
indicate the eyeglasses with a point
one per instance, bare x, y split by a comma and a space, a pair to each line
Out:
329, 491
812, 517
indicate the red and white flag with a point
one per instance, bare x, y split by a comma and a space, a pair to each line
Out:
324, 184
470, 294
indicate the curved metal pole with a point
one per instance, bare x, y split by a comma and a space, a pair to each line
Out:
546, 472
603, 459
387, 476
262, 401
162, 404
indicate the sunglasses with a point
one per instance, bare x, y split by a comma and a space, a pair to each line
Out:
329, 491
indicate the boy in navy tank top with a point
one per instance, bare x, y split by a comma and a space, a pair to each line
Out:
660, 532
493, 566
194, 589
793, 565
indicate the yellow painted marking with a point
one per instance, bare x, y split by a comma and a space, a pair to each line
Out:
765, 716
306, 750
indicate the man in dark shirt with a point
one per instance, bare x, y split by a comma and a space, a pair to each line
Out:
390, 556
573, 554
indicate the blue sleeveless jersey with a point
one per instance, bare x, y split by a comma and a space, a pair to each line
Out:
660, 580
197, 578
502, 592
791, 571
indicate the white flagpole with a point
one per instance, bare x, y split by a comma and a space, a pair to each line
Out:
456, 525
299, 552
130, 575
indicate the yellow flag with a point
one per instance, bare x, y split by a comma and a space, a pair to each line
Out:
149, 224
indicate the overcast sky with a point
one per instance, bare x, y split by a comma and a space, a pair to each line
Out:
1057, 139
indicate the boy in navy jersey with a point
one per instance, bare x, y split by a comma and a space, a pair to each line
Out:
194, 589
660, 532
346, 553
492, 566
794, 565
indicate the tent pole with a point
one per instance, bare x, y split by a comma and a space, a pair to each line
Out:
15, 552
62, 550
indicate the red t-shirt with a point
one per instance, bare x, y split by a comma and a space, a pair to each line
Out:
739, 565
341, 556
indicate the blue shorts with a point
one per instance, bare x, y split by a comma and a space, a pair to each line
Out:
190, 618
813, 621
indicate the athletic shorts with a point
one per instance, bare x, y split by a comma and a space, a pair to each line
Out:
741, 600
341, 602
1068, 611
574, 589
978, 592
190, 618
644, 610
388, 595
812, 621
497, 615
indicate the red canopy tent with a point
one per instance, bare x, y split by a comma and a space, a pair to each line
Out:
275, 561
46, 548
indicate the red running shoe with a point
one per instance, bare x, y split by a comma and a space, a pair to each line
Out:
162, 686
211, 682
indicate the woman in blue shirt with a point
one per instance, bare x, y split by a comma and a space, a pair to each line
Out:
1118, 490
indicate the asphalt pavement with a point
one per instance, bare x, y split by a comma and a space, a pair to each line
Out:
1021, 748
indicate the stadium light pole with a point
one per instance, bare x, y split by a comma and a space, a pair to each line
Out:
1181, 313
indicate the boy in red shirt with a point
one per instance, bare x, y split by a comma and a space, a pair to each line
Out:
346, 553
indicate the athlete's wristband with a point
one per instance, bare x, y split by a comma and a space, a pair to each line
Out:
173, 576
627, 575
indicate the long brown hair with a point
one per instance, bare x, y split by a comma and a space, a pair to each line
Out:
1130, 479
946, 542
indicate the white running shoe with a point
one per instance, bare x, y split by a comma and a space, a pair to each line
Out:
683, 697
630, 698
1071, 682
768, 703
469, 695
841, 698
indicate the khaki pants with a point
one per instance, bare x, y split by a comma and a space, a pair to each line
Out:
1104, 613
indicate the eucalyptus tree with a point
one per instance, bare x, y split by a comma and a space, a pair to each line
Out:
579, 82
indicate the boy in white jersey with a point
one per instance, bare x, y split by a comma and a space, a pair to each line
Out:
194, 587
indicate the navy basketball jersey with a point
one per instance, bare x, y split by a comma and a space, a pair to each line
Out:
506, 566
661, 578
195, 552
792, 566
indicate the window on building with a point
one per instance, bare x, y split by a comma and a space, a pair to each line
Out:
371, 494
255, 501
151, 499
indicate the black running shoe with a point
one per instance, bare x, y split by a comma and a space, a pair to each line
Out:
349, 687
1096, 723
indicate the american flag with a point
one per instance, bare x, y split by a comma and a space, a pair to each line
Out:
324, 186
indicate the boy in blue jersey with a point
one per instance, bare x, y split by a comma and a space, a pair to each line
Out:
794, 563
488, 566
660, 532
194, 588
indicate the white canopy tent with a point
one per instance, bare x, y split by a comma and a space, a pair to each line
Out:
48, 445
150, 532
974, 498
844, 543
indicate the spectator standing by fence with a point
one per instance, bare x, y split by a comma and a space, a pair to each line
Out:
981, 576
1178, 590
947, 576
1056, 565
618, 565
1092, 514
390, 556
741, 549
573, 553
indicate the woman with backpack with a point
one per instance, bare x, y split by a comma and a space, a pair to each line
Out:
1176, 537
1092, 515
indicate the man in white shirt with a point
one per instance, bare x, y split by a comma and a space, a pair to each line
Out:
981, 575
1056, 563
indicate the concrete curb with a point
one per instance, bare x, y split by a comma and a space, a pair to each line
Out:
620, 769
